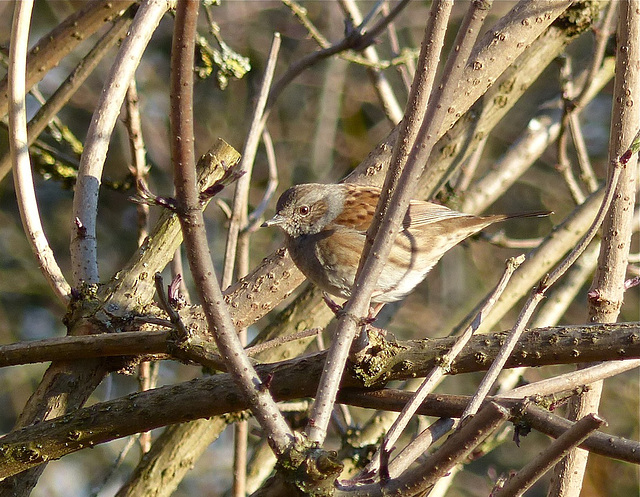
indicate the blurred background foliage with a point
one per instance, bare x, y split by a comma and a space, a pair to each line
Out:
324, 123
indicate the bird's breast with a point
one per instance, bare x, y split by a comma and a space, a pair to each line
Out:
329, 259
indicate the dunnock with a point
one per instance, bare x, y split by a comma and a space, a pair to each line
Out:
326, 226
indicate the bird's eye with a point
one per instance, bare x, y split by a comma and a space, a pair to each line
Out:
304, 210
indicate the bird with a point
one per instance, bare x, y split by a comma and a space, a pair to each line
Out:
325, 228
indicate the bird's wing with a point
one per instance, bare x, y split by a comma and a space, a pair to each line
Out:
422, 213
358, 209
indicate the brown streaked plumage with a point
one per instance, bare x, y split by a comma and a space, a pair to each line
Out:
326, 225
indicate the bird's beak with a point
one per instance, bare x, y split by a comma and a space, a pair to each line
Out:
276, 220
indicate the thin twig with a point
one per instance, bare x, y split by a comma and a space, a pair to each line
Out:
435, 376
407, 69
602, 35
587, 175
18, 142
565, 291
114, 466
390, 105
578, 102
570, 381
370, 35
282, 340
419, 446
357, 305
454, 449
67, 89
240, 200
500, 239
165, 305
192, 222
537, 295
255, 218
354, 41
140, 170
301, 14
564, 164
238, 245
176, 268
469, 168
532, 471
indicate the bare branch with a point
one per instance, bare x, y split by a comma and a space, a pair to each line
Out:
139, 168
532, 415
18, 142
435, 376
355, 41
241, 197
192, 223
52, 47
84, 248
211, 396
370, 268
607, 290
419, 446
537, 295
256, 217
569, 381
452, 451
527, 476
238, 244
537, 347
390, 104
68, 88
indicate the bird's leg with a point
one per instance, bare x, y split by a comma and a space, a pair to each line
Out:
374, 310
338, 310
335, 307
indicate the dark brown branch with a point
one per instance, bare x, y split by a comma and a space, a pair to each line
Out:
532, 415
537, 347
219, 394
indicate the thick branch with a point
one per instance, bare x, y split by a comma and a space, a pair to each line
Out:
537, 347
219, 394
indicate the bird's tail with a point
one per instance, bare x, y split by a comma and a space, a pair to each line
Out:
526, 214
